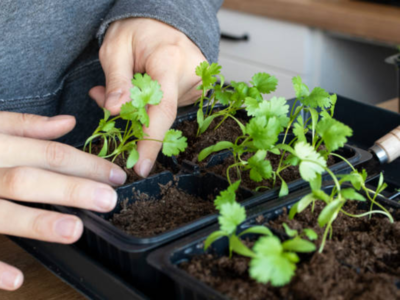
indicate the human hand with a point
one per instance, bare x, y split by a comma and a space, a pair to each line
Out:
33, 169
168, 56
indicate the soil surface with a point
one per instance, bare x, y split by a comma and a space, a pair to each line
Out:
290, 174
148, 217
121, 161
228, 131
362, 261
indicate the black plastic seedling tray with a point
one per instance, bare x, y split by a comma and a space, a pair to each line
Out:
167, 259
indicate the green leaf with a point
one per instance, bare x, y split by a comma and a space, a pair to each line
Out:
241, 91
351, 194
227, 196
231, 215
224, 97
260, 168
293, 211
330, 212
333, 133
145, 91
299, 130
333, 103
320, 194
264, 82
354, 177
200, 117
212, 238
107, 114
132, 158
240, 248
317, 98
314, 119
293, 257
270, 264
290, 232
311, 162
214, 148
208, 74
316, 183
204, 126
128, 111
103, 151
305, 202
298, 245
252, 106
300, 88
310, 234
284, 190
276, 107
285, 147
257, 230
173, 143
264, 133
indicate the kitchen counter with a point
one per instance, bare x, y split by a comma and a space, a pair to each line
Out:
370, 21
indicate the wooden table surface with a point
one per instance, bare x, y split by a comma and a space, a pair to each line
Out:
355, 18
39, 284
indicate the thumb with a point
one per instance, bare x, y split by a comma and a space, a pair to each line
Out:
117, 62
33, 126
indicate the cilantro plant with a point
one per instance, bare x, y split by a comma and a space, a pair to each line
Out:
271, 260
117, 142
232, 96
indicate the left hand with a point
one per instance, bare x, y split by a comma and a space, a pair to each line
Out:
141, 45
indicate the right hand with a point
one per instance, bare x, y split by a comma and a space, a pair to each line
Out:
34, 169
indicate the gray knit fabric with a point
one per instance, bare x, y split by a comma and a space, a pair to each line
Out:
49, 50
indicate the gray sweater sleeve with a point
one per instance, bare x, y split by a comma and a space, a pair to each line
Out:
195, 18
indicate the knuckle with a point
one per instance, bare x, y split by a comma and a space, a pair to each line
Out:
169, 110
13, 180
115, 79
40, 226
73, 193
56, 155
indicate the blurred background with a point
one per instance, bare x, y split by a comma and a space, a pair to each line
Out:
340, 45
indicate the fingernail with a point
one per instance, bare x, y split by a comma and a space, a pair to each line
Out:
105, 198
117, 176
113, 99
146, 167
67, 227
10, 280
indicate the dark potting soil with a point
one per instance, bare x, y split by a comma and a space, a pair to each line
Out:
148, 217
228, 131
121, 161
362, 261
290, 174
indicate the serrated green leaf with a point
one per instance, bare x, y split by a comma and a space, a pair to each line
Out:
333, 133
223, 97
132, 158
212, 238
237, 246
252, 106
351, 194
290, 232
107, 114
311, 162
241, 90
260, 168
300, 88
276, 107
264, 133
354, 177
227, 196
317, 98
330, 212
145, 91
127, 111
257, 230
208, 74
231, 215
264, 82
298, 245
214, 148
310, 234
173, 143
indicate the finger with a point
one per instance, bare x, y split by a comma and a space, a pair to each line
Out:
58, 157
36, 185
10, 278
117, 61
165, 68
98, 94
34, 126
38, 224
